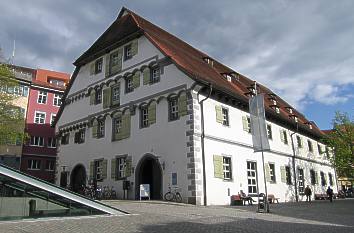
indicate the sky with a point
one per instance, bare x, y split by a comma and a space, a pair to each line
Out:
301, 50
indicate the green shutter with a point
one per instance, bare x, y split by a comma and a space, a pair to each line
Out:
182, 104
104, 169
282, 138
283, 174
106, 97
136, 79
92, 97
92, 167
146, 76
113, 168
219, 116
92, 68
107, 72
245, 124
218, 167
267, 172
128, 166
152, 113
94, 128
117, 67
135, 47
126, 125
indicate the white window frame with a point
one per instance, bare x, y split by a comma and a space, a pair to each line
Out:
252, 177
227, 167
128, 52
52, 143
121, 166
42, 97
98, 165
248, 124
37, 141
225, 116
52, 115
35, 164
51, 165
129, 84
273, 178
57, 100
144, 117
269, 131
117, 124
173, 107
39, 118
301, 180
155, 75
116, 93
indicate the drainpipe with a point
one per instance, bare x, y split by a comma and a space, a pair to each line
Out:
293, 160
202, 140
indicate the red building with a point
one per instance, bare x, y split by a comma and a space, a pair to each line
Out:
39, 154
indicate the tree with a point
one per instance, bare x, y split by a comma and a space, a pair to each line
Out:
11, 118
341, 140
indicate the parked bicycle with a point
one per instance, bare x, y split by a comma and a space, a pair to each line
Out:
173, 194
109, 193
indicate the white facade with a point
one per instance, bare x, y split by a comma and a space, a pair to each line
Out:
172, 146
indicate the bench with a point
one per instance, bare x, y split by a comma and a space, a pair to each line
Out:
272, 198
321, 196
236, 200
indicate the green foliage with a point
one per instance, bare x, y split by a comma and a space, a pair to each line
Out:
341, 139
11, 119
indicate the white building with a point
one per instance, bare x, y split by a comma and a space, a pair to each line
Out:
147, 108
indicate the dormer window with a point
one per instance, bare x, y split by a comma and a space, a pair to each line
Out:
290, 110
277, 110
309, 124
209, 61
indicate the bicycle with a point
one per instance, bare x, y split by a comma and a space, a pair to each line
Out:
173, 195
109, 193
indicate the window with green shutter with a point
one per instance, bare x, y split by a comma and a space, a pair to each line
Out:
182, 104
135, 47
152, 113
115, 61
117, 127
218, 166
107, 97
92, 97
94, 128
113, 168
115, 94
267, 172
218, 111
128, 171
136, 79
283, 174
146, 76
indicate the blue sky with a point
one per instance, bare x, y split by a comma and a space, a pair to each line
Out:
302, 50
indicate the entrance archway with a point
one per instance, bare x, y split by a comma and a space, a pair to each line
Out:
78, 178
148, 171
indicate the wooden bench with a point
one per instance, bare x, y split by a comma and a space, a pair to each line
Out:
236, 200
272, 198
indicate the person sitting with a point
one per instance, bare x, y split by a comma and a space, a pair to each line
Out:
245, 198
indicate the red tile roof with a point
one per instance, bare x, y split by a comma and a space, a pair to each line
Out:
191, 61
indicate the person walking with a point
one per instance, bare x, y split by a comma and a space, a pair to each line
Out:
330, 193
308, 193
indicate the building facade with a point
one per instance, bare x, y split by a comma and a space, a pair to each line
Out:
39, 153
144, 107
10, 154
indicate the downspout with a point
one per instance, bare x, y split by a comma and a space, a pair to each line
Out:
293, 160
202, 140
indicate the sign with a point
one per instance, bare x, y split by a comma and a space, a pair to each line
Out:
145, 191
258, 124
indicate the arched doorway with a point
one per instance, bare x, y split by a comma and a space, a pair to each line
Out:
78, 178
148, 171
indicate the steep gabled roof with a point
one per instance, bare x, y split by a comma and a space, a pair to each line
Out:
187, 58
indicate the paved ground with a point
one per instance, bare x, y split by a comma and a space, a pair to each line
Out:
319, 216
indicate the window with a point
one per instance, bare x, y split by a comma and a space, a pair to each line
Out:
309, 143
117, 125
80, 136
52, 118
144, 117
121, 166
57, 82
57, 100
34, 164
313, 177
155, 75
42, 97
330, 178
269, 131
301, 180
100, 128
39, 117
227, 168
65, 139
98, 96
114, 59
98, 66
246, 123
49, 165
299, 141
116, 93
129, 87
98, 169
173, 109
225, 115
284, 137
52, 143
128, 52
323, 179
288, 175
251, 177
37, 141
272, 172
319, 147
